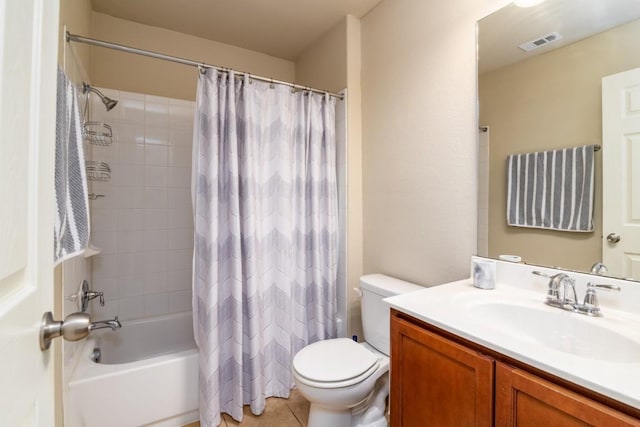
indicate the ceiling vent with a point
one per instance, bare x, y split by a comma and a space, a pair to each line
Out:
542, 41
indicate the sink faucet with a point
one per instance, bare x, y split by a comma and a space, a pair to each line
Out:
103, 324
568, 299
599, 268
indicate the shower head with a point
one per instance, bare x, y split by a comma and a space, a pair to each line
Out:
108, 102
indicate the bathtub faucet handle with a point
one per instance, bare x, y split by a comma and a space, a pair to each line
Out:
87, 295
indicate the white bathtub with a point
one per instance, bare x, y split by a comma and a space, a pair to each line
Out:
149, 376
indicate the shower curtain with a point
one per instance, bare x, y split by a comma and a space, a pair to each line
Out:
266, 237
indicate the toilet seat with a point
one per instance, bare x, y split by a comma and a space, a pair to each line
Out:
334, 363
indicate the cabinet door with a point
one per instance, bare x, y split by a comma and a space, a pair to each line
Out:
436, 382
523, 399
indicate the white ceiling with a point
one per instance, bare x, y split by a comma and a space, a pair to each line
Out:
501, 32
281, 28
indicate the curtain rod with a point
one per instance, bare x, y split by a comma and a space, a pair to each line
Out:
81, 39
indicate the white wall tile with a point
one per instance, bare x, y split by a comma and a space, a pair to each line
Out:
179, 279
155, 262
180, 259
156, 113
156, 135
179, 301
128, 175
107, 285
131, 153
180, 157
156, 155
156, 176
156, 304
155, 240
130, 219
105, 265
130, 308
180, 177
155, 198
155, 219
130, 264
130, 197
131, 110
131, 133
153, 99
180, 116
180, 137
180, 218
179, 197
104, 219
130, 241
130, 286
155, 283
145, 220
180, 238
106, 240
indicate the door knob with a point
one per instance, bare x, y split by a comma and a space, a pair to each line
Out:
74, 328
613, 238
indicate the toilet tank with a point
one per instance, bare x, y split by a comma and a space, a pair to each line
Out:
375, 312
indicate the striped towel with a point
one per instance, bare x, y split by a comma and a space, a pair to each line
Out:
551, 189
71, 228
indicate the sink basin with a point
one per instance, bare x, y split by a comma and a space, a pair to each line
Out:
557, 329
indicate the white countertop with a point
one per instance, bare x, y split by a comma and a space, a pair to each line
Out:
610, 372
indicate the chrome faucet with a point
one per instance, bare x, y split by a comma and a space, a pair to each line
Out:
599, 268
103, 324
87, 295
561, 282
568, 299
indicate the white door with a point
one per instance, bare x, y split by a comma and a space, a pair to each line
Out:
621, 173
28, 51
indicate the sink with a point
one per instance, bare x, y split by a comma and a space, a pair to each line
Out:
557, 329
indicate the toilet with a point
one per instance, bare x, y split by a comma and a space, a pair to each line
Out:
339, 376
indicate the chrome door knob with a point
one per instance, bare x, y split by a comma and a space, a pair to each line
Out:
613, 238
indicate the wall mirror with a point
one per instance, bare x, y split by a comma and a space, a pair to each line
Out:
545, 99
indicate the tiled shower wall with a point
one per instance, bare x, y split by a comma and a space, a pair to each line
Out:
143, 223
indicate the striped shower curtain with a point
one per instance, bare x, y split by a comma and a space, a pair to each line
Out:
266, 237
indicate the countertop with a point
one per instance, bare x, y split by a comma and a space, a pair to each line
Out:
609, 372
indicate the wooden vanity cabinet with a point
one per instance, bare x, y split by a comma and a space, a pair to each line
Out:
524, 399
436, 382
440, 382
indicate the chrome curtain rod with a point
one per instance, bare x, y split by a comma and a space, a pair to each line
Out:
81, 39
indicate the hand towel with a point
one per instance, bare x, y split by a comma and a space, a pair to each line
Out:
551, 189
71, 228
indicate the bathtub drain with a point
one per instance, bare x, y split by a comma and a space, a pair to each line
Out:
96, 355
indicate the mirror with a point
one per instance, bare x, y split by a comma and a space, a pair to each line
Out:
546, 99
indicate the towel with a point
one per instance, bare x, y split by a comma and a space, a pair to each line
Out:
551, 189
71, 228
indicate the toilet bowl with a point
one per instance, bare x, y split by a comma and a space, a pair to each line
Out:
341, 379
338, 376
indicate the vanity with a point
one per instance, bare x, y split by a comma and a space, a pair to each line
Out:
466, 356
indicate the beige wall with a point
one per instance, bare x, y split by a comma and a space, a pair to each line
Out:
562, 90
136, 73
354, 172
75, 16
419, 138
324, 64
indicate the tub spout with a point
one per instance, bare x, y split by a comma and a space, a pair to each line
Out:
102, 324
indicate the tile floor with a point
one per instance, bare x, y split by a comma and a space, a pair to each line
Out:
292, 412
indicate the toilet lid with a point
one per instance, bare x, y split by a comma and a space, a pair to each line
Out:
333, 360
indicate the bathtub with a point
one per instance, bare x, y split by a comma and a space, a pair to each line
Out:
148, 375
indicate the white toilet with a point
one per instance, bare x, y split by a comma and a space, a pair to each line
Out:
339, 376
